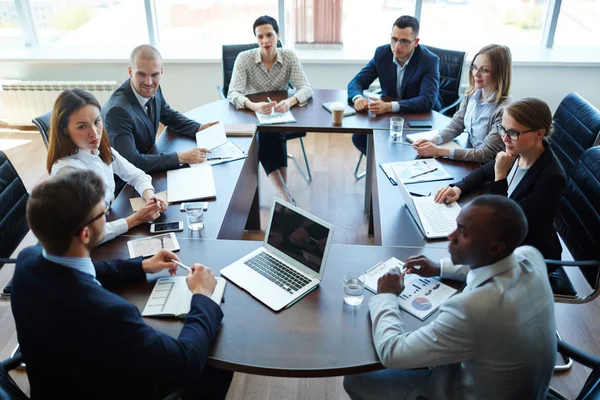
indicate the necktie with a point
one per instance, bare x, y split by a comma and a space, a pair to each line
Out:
150, 106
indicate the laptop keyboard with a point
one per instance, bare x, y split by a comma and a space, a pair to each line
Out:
277, 272
436, 218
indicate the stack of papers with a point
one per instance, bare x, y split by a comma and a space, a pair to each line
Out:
422, 170
275, 118
224, 153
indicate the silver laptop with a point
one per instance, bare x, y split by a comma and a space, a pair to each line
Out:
435, 220
291, 261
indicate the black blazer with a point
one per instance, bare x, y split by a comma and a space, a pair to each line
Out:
420, 84
80, 341
132, 133
538, 194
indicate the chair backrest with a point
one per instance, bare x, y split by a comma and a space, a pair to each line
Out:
577, 217
13, 203
43, 124
451, 68
230, 53
576, 129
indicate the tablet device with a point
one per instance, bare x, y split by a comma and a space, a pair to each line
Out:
419, 124
149, 246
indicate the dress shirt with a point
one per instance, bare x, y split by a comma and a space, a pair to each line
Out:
83, 264
142, 100
121, 167
494, 340
251, 76
514, 177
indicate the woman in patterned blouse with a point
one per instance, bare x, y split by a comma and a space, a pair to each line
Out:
269, 68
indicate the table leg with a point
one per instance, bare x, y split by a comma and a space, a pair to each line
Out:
369, 176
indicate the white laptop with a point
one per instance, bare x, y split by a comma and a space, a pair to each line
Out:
435, 220
291, 261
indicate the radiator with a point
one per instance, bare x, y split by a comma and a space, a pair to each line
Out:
21, 101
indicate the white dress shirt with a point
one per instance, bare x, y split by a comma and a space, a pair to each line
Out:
494, 340
141, 99
121, 167
251, 76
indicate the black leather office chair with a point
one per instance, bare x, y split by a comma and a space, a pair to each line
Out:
43, 124
8, 388
230, 53
576, 129
451, 69
591, 387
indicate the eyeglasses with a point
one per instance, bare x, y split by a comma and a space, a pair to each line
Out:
104, 213
481, 70
512, 134
403, 42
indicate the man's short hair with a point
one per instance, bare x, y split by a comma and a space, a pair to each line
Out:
406, 21
265, 20
58, 207
144, 52
507, 221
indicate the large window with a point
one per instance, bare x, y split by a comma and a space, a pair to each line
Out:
578, 23
470, 25
11, 34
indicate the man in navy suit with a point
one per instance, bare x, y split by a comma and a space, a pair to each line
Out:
406, 71
132, 114
81, 341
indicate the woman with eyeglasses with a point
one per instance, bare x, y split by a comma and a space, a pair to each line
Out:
527, 172
78, 140
479, 112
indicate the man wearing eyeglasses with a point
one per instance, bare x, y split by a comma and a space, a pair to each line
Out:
81, 341
406, 71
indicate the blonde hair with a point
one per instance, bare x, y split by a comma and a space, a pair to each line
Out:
501, 64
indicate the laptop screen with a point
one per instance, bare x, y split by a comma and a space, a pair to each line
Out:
298, 236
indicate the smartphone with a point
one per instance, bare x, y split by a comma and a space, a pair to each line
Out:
420, 124
200, 204
161, 227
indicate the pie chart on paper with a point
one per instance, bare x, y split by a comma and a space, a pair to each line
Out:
421, 304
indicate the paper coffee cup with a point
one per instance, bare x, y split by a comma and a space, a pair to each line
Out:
337, 111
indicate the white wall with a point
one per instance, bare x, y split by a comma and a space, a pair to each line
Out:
189, 85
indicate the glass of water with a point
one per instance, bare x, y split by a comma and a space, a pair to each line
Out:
354, 288
396, 128
195, 218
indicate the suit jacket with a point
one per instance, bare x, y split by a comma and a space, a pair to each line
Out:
80, 341
538, 194
420, 85
494, 340
132, 133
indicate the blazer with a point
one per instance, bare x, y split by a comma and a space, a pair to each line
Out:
492, 143
132, 133
494, 340
538, 194
80, 341
420, 85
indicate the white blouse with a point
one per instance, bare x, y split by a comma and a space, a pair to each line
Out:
121, 167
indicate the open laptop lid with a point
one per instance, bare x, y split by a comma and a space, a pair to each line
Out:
299, 238
408, 200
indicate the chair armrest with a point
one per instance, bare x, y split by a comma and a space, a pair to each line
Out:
586, 263
12, 362
448, 107
578, 355
8, 260
220, 90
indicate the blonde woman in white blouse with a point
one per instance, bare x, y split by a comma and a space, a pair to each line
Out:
78, 140
267, 69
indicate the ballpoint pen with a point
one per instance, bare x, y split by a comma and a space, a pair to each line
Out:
218, 158
423, 173
182, 265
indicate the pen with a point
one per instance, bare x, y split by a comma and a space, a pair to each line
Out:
423, 173
182, 265
273, 109
218, 158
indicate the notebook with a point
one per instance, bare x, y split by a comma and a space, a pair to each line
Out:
172, 298
211, 137
194, 183
421, 296
347, 111
275, 118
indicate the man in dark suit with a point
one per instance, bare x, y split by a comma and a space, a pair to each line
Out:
132, 114
81, 341
406, 71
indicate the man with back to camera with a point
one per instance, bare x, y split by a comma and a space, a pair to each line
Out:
494, 340
406, 71
134, 110
81, 341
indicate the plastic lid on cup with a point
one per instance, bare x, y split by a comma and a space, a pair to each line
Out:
336, 106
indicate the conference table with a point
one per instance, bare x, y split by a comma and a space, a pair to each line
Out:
320, 335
